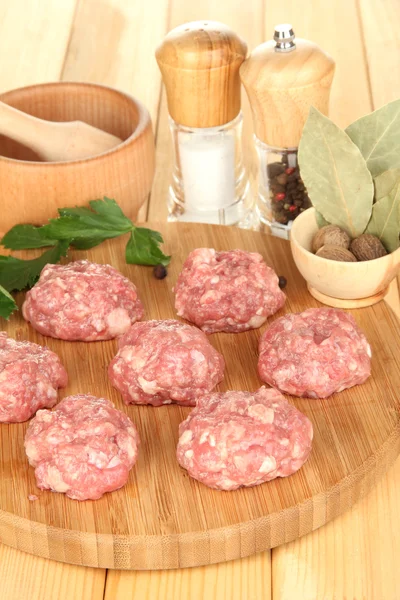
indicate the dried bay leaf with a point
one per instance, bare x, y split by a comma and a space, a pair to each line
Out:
335, 174
385, 182
378, 137
385, 218
321, 222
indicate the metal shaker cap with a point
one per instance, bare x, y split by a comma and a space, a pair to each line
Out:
284, 38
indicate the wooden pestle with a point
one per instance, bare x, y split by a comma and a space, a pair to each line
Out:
54, 141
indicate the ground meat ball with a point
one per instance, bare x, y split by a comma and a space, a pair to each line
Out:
314, 353
243, 439
84, 447
29, 378
160, 362
82, 301
227, 291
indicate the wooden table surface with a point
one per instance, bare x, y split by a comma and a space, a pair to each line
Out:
113, 42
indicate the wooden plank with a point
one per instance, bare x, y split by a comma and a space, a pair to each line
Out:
246, 19
245, 579
353, 557
33, 40
27, 577
380, 20
113, 43
340, 560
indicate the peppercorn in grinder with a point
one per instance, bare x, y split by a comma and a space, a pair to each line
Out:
200, 62
283, 79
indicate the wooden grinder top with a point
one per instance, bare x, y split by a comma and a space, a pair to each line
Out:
200, 62
283, 83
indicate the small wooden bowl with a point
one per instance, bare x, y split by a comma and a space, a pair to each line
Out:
340, 284
31, 191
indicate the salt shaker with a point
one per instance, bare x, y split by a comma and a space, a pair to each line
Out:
283, 78
200, 62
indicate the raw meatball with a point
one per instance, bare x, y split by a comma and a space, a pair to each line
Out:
82, 301
160, 362
29, 378
314, 353
84, 447
239, 439
227, 291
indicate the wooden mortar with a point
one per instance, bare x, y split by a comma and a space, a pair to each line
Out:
32, 191
336, 283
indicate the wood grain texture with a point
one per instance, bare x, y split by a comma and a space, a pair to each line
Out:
353, 558
33, 40
113, 43
27, 577
143, 526
379, 21
282, 86
199, 62
124, 173
243, 579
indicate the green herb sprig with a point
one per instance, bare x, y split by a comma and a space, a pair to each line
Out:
80, 227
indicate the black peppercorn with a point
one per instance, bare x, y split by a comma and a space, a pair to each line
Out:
282, 282
160, 272
287, 191
275, 169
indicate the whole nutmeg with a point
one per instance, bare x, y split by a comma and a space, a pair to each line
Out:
332, 252
367, 247
330, 235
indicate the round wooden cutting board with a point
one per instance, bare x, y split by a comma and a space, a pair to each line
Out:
162, 519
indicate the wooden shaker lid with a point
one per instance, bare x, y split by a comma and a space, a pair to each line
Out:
282, 85
200, 62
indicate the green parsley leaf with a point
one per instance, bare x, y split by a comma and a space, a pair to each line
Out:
73, 228
105, 215
17, 274
110, 209
7, 304
23, 237
86, 243
85, 228
143, 248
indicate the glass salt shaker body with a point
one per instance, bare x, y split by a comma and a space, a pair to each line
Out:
200, 64
283, 78
209, 183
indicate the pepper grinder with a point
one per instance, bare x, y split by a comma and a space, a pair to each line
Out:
200, 62
283, 79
